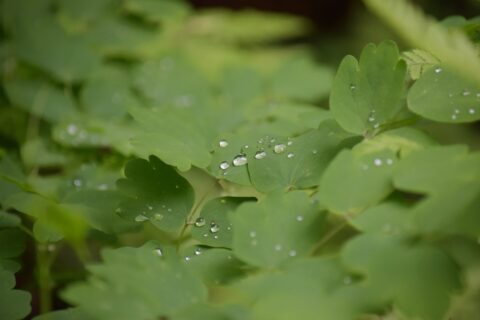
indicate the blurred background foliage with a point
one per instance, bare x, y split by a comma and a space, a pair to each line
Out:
71, 71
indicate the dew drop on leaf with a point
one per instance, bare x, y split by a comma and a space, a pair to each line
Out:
200, 222
278, 247
240, 160
292, 253
141, 218
214, 228
378, 162
158, 252
224, 165
260, 155
290, 155
465, 93
299, 218
438, 70
471, 111
279, 148
158, 216
252, 234
198, 251
223, 143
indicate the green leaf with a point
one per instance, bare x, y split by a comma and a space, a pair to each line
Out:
156, 192
418, 62
417, 279
434, 168
450, 176
276, 229
53, 221
213, 227
137, 283
301, 164
367, 94
107, 94
14, 304
158, 11
8, 220
452, 47
215, 266
390, 218
240, 86
40, 98
301, 79
355, 182
323, 290
171, 81
175, 136
39, 41
41, 153
441, 95
65, 314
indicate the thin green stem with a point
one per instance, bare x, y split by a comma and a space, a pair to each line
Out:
44, 278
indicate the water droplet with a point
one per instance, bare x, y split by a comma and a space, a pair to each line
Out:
456, 111
290, 155
253, 242
438, 70
289, 143
260, 155
149, 207
224, 165
229, 228
223, 143
292, 253
158, 252
371, 119
389, 161
214, 228
378, 162
205, 235
246, 146
102, 187
187, 258
51, 247
376, 125
169, 209
177, 186
72, 129
272, 140
314, 151
352, 87
252, 234
77, 183
299, 218
198, 251
279, 148
465, 93
278, 247
215, 237
158, 216
478, 95
240, 160
141, 218
471, 111
454, 117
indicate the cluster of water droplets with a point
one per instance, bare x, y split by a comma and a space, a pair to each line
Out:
77, 135
379, 162
213, 227
465, 93
263, 145
149, 213
372, 119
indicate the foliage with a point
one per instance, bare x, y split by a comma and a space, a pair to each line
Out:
164, 163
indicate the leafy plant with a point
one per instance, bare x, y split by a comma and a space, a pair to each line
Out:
163, 163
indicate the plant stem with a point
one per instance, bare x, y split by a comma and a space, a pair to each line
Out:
44, 279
